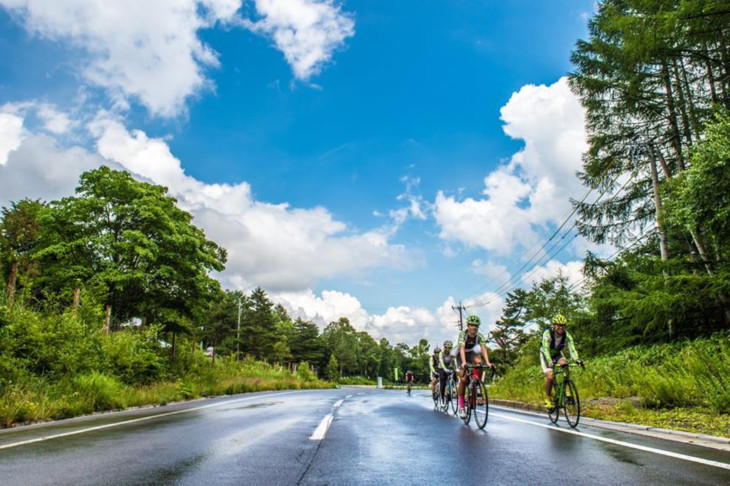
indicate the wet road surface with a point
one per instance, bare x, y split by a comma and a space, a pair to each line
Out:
344, 436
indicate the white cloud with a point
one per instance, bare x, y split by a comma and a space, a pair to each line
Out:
306, 31
39, 169
11, 135
572, 270
53, 120
272, 245
534, 188
401, 324
137, 48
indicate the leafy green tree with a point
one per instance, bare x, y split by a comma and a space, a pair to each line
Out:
130, 241
20, 232
509, 333
333, 369
258, 326
341, 341
305, 344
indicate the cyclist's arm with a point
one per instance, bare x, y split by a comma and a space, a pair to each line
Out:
430, 364
461, 344
571, 347
485, 354
442, 365
545, 349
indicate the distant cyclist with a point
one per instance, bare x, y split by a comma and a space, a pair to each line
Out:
433, 366
447, 361
472, 348
554, 339
409, 381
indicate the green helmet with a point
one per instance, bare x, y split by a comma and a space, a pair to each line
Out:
473, 321
560, 320
448, 344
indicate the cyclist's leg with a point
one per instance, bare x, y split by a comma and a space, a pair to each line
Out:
548, 381
442, 381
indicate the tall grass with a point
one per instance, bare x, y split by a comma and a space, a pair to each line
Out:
687, 374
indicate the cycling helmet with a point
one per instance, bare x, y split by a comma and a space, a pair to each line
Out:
436, 350
473, 321
448, 344
560, 320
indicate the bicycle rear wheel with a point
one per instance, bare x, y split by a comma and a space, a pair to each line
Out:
554, 412
481, 406
571, 404
454, 397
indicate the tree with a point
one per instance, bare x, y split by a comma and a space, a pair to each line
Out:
131, 242
258, 331
333, 369
305, 344
509, 333
20, 232
341, 341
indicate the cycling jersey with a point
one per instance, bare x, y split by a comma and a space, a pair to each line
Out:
471, 344
409, 376
446, 360
433, 363
552, 345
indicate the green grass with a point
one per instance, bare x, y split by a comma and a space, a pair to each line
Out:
35, 399
684, 386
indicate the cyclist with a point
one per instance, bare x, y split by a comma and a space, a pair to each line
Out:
433, 365
409, 381
446, 362
554, 339
472, 347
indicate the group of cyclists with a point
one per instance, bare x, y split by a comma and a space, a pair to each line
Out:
472, 349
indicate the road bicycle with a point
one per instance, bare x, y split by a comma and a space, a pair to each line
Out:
564, 394
476, 400
448, 398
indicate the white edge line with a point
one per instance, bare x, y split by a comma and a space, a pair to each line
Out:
125, 422
676, 455
321, 429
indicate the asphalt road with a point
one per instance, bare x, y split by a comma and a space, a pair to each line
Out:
345, 436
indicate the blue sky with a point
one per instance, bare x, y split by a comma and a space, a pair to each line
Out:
380, 160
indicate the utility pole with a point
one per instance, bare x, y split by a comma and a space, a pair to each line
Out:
460, 308
238, 332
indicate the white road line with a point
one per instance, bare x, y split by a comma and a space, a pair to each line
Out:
676, 455
125, 422
339, 402
321, 429
348, 396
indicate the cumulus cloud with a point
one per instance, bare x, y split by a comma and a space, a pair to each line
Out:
137, 49
399, 324
573, 271
11, 134
306, 31
533, 189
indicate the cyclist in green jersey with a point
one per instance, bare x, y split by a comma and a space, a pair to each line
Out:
447, 361
472, 348
433, 365
554, 339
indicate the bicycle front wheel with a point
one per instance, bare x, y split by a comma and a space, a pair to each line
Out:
467, 404
481, 405
571, 404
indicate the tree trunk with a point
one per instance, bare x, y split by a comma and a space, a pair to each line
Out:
664, 250
77, 298
676, 137
11, 282
107, 318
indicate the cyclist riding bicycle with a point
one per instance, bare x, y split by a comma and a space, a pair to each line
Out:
472, 347
447, 361
409, 381
433, 365
554, 340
